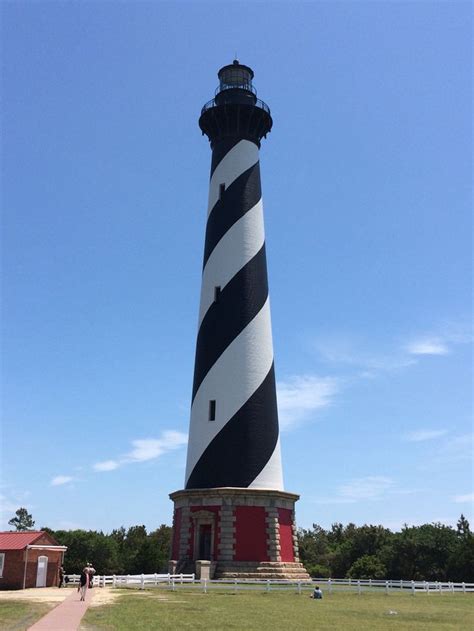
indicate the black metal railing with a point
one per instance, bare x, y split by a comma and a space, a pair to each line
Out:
257, 103
231, 86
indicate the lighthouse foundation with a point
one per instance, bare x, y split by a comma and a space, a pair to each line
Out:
236, 533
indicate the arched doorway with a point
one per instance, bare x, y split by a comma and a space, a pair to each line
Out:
204, 533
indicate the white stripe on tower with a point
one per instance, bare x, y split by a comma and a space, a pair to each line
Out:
234, 375
241, 157
236, 248
238, 444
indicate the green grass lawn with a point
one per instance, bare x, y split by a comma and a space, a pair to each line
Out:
275, 611
17, 615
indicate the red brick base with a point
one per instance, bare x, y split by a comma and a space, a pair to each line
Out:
249, 532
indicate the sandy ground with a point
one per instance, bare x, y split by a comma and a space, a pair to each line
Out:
101, 595
37, 594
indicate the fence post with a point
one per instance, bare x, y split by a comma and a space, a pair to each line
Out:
267, 587
330, 585
359, 591
464, 587
205, 585
413, 588
370, 582
235, 585
386, 587
452, 587
114, 580
156, 578
142, 582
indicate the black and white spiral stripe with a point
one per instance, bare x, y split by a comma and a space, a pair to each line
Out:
234, 351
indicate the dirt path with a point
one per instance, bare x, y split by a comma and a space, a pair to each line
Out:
37, 594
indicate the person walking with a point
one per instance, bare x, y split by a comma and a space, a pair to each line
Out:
91, 571
83, 583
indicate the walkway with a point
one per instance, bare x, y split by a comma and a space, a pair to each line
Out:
66, 616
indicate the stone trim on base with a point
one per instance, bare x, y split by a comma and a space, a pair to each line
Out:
253, 533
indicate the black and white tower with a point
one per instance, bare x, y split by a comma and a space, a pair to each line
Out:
234, 516
233, 438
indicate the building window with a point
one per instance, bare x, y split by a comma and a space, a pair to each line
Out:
217, 293
221, 190
2, 562
212, 410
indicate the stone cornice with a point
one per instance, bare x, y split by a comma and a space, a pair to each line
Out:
233, 492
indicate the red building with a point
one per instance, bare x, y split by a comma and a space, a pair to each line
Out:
29, 559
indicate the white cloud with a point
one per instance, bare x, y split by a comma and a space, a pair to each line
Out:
361, 489
150, 448
368, 488
61, 479
461, 499
427, 346
441, 341
350, 352
457, 448
8, 505
421, 435
144, 449
300, 397
106, 465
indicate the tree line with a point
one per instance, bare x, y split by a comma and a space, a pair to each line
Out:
433, 552
123, 551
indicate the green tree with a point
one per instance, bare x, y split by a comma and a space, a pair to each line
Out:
352, 543
154, 552
313, 549
461, 562
89, 547
420, 552
367, 566
132, 555
23, 520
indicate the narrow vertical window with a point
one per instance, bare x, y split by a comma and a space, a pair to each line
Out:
221, 190
212, 410
217, 293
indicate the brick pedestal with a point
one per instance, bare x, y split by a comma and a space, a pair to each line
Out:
248, 533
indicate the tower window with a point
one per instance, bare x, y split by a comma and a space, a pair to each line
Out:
217, 293
221, 190
212, 410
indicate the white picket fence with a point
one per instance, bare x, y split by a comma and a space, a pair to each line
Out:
329, 585
135, 580
361, 585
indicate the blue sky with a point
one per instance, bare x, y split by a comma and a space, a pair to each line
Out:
366, 187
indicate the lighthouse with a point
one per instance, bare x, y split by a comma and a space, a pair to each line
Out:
233, 518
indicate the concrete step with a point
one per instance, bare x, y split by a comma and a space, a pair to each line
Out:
264, 570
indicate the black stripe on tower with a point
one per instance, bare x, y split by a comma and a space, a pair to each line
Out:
243, 447
221, 150
239, 302
241, 196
